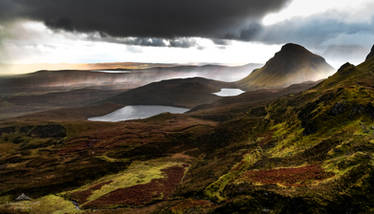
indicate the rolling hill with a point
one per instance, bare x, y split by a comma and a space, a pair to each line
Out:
177, 92
16, 106
292, 64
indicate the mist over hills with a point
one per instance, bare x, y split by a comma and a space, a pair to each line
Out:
48, 90
63, 80
292, 64
149, 84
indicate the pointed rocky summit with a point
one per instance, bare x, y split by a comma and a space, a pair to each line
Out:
292, 64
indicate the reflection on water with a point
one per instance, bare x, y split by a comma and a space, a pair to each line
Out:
229, 92
137, 112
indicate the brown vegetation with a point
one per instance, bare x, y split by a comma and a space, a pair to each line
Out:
299, 176
157, 189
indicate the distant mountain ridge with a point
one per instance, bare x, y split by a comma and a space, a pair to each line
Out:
291, 65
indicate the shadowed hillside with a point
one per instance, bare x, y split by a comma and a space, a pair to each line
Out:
21, 105
293, 64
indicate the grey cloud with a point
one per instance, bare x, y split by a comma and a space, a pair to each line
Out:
143, 18
325, 34
356, 53
316, 31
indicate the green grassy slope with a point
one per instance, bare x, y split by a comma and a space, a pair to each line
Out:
314, 155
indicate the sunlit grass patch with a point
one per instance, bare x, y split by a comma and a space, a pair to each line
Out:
50, 204
138, 173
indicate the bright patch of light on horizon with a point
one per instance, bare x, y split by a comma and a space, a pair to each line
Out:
358, 10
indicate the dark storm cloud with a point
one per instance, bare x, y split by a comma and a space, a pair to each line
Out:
248, 32
143, 18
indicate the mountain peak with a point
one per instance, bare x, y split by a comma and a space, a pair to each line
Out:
346, 68
295, 51
371, 54
293, 47
292, 64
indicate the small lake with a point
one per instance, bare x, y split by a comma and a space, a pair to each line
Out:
138, 112
229, 92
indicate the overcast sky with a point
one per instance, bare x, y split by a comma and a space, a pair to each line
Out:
179, 31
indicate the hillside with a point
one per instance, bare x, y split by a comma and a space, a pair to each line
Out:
309, 152
16, 106
231, 107
177, 92
292, 64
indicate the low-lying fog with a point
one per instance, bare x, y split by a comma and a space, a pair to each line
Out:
138, 112
120, 79
215, 72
